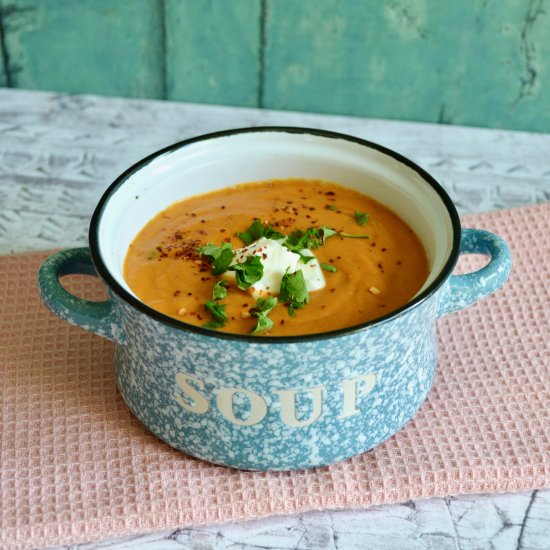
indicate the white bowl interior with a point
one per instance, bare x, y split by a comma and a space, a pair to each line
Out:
224, 161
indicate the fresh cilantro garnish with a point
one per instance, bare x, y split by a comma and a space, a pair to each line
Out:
313, 237
361, 217
327, 232
261, 310
217, 311
349, 236
257, 230
220, 256
328, 267
331, 207
249, 272
219, 292
294, 291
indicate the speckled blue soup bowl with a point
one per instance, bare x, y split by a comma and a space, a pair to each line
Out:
273, 403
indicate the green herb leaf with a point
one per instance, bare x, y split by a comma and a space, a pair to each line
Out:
349, 236
310, 239
220, 256
210, 250
219, 292
261, 310
249, 272
257, 230
361, 217
294, 291
217, 311
331, 207
263, 306
155, 254
264, 324
328, 267
327, 232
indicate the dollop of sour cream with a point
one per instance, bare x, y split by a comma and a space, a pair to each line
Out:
277, 259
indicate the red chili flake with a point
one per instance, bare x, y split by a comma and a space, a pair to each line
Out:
222, 207
205, 278
245, 305
330, 193
308, 216
227, 240
199, 316
338, 257
398, 262
193, 215
332, 289
373, 244
282, 322
289, 202
311, 208
203, 221
223, 230
189, 294
177, 293
264, 255
383, 249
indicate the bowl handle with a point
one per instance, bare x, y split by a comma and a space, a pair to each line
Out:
463, 290
96, 317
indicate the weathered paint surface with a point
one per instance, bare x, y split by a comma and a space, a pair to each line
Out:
3, 52
90, 46
212, 51
485, 62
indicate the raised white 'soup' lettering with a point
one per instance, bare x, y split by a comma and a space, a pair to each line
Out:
351, 392
258, 407
200, 403
288, 406
353, 389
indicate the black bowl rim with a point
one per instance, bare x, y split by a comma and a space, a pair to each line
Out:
104, 273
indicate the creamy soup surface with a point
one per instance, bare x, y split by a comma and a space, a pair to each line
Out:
371, 275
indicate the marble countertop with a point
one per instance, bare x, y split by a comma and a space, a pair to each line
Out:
58, 153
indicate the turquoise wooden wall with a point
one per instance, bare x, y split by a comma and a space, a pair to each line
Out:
474, 62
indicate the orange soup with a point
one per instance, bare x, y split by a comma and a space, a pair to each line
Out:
188, 263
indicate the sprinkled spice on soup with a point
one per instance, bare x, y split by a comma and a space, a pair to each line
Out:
282, 257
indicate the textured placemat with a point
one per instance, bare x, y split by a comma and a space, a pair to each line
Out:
76, 466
